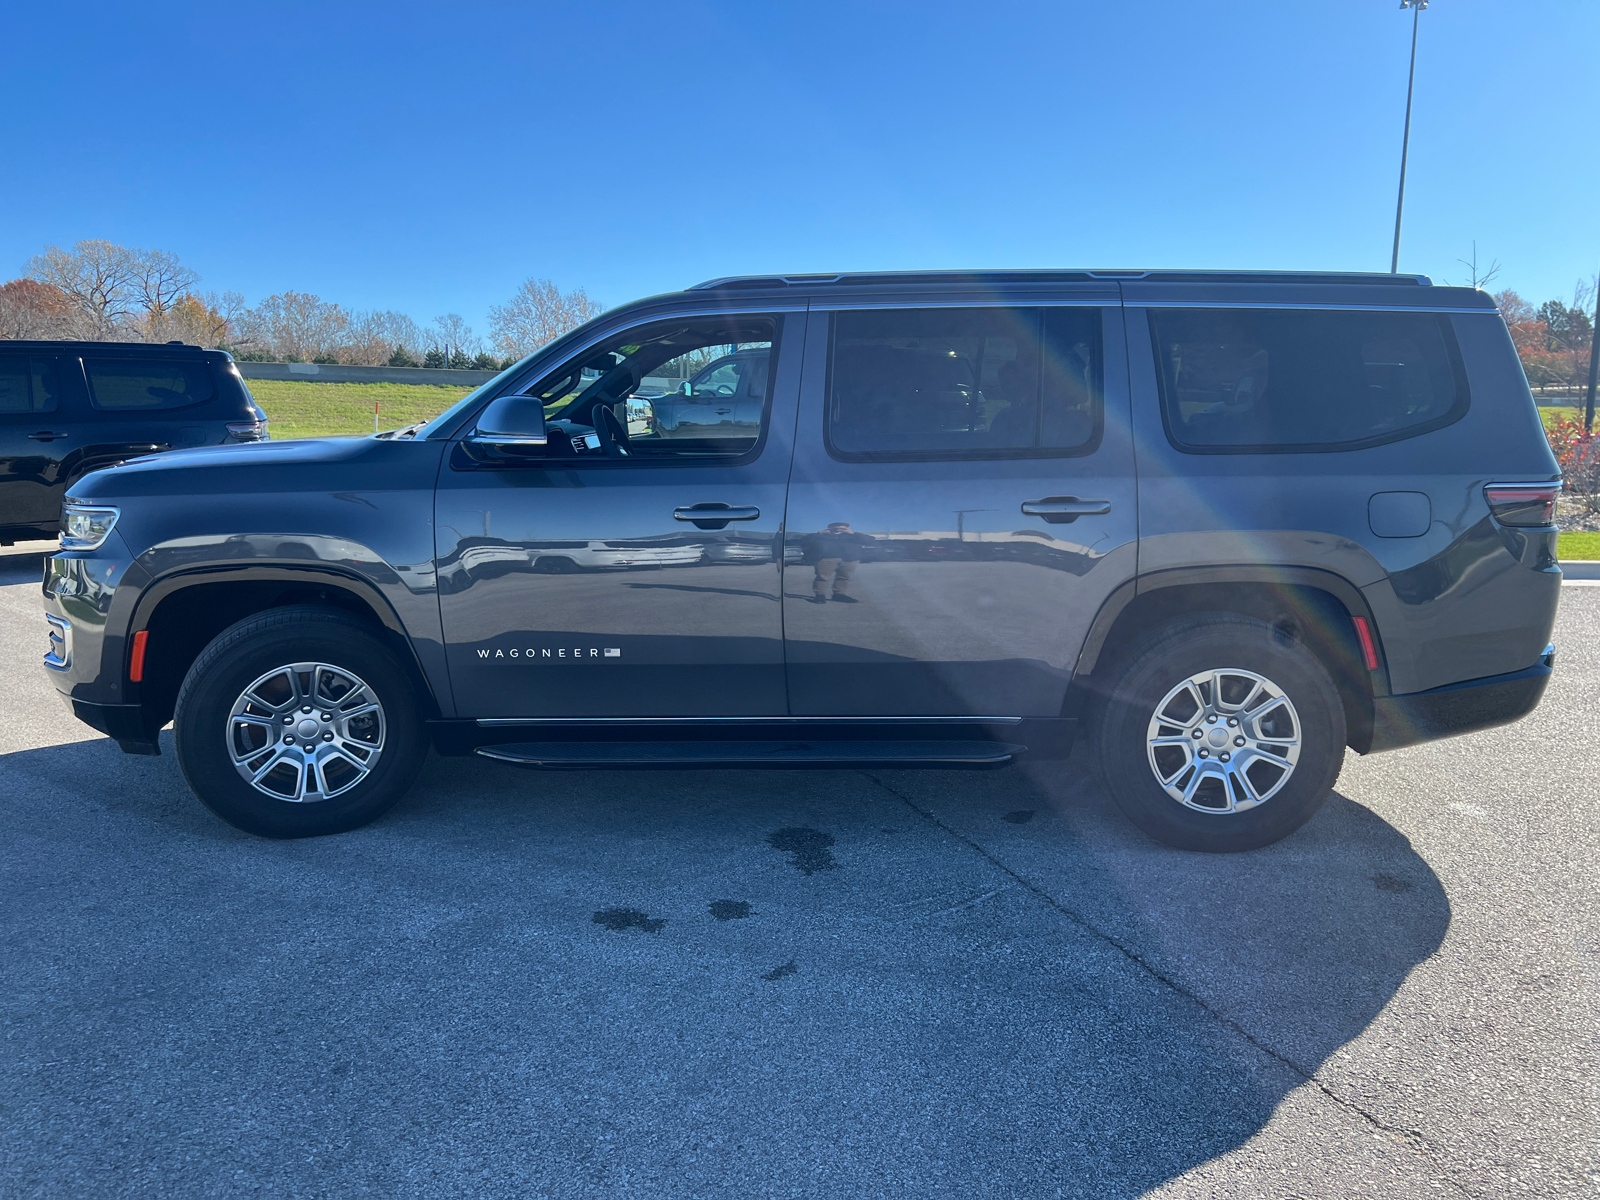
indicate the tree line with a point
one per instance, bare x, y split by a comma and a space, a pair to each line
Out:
1553, 339
101, 291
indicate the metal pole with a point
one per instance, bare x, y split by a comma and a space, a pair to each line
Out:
1594, 365
1405, 144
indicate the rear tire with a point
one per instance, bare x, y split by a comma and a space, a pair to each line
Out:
1219, 734
310, 704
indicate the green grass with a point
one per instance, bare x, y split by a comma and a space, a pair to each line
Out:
297, 409
1578, 546
1550, 415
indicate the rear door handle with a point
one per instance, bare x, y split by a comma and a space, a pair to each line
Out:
1062, 510
715, 516
45, 435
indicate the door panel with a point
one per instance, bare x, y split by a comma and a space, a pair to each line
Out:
963, 604
40, 425
574, 590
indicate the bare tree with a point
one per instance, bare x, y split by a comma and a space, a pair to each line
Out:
537, 314
453, 331
296, 325
158, 279
99, 277
1476, 280
373, 337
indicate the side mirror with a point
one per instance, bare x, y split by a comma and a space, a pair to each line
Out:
511, 421
684, 389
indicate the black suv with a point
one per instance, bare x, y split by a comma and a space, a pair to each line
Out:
1219, 527
68, 408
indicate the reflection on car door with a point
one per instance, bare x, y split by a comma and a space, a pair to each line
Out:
576, 589
962, 503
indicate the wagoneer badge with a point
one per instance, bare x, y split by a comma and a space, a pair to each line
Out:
554, 653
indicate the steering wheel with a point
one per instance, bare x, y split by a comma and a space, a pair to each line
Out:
613, 433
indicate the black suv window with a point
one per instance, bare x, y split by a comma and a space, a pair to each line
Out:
1253, 380
134, 384
946, 383
29, 385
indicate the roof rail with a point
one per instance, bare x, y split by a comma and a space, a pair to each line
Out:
728, 282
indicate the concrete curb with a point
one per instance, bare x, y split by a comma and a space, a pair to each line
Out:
1579, 569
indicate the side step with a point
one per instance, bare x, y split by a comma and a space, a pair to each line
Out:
572, 756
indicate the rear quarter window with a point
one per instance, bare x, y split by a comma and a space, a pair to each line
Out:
28, 385
1238, 381
147, 385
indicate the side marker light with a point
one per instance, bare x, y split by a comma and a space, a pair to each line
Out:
136, 663
1369, 650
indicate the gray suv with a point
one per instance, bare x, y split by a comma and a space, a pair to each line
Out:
1213, 527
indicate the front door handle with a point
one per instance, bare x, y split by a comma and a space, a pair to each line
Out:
1063, 510
45, 435
715, 516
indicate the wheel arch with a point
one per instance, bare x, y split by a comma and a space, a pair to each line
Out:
182, 613
1314, 606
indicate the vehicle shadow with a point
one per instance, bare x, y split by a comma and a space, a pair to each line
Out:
910, 988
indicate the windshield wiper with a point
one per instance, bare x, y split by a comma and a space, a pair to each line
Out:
409, 431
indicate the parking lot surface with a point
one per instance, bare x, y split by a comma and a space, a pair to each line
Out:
798, 983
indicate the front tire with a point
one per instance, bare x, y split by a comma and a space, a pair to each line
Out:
298, 722
1219, 734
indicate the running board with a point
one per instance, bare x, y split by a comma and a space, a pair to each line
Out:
572, 756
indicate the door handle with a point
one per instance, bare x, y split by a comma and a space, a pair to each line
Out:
715, 516
1063, 510
45, 435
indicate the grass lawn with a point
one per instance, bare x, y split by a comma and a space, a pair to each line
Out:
1578, 545
298, 409
1551, 414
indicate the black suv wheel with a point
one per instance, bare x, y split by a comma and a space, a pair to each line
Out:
298, 722
1219, 734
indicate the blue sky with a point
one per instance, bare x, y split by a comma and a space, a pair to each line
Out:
429, 158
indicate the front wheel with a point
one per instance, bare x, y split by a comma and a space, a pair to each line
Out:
298, 722
1219, 734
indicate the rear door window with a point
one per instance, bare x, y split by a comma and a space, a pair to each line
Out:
955, 383
29, 385
1283, 380
126, 385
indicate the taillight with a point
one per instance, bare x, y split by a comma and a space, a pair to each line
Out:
247, 431
1523, 504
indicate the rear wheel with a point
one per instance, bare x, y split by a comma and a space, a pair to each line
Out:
1219, 734
298, 722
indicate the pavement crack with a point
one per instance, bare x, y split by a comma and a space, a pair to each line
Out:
1413, 1139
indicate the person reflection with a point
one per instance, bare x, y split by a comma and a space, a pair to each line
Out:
834, 554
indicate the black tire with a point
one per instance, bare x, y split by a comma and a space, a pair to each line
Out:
1224, 815
206, 734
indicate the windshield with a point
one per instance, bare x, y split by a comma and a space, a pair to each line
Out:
448, 417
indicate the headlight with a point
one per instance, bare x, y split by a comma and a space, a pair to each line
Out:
84, 527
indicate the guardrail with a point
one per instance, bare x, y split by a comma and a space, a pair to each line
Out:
328, 373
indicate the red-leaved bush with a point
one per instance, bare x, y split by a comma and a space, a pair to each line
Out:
1578, 454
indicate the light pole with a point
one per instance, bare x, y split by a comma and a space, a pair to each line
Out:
1416, 7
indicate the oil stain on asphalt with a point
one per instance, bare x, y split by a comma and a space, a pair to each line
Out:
1021, 817
778, 973
730, 910
809, 847
619, 920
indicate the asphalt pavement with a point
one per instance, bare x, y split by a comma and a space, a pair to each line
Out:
798, 983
